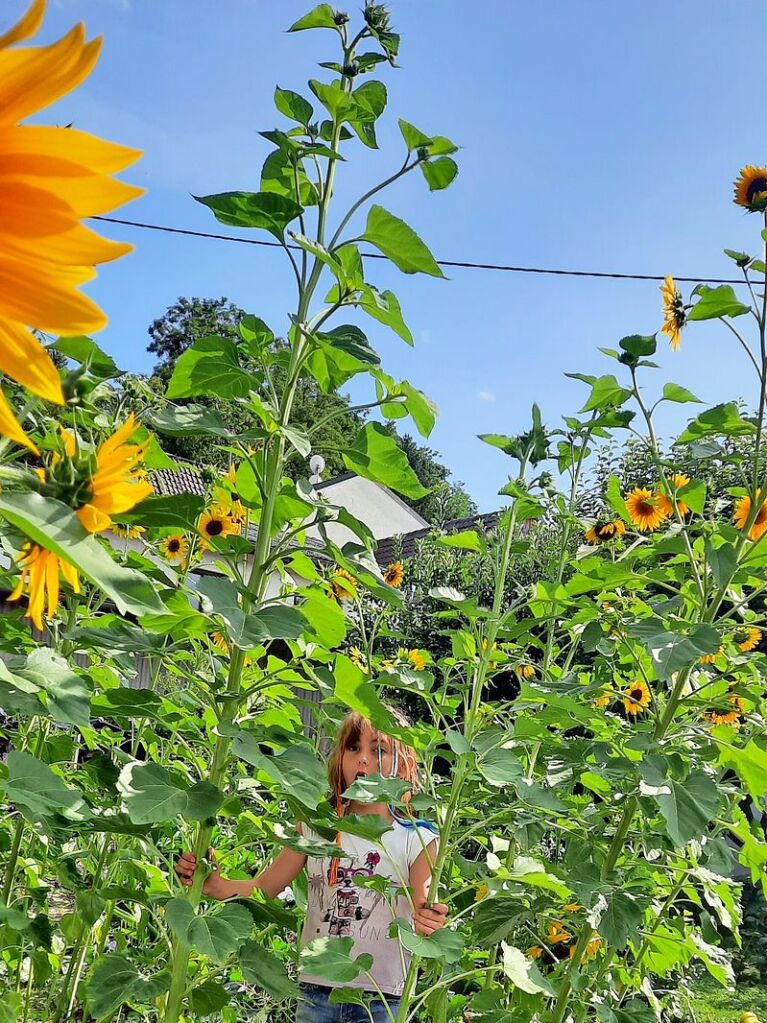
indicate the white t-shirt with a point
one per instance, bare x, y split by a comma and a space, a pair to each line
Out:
347, 910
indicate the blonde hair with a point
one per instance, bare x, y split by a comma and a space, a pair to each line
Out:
350, 731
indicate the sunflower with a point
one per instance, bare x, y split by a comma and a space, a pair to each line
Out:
482, 893
730, 717
749, 638
217, 639
535, 952
174, 547
664, 503
114, 487
40, 580
743, 511
710, 658
394, 573
417, 659
343, 585
751, 188
601, 701
229, 498
674, 316
216, 523
591, 949
358, 659
642, 506
600, 532
636, 697
128, 532
51, 178
556, 933
524, 671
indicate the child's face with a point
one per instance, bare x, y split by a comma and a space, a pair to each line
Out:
361, 757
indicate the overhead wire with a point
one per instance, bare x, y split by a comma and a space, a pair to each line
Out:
461, 264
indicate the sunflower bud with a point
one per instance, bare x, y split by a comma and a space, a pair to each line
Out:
377, 17
340, 18
76, 384
351, 70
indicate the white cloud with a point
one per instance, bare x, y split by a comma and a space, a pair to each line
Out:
486, 396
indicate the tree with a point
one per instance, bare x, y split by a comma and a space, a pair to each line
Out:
448, 499
186, 322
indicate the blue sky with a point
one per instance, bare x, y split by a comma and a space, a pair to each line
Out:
593, 136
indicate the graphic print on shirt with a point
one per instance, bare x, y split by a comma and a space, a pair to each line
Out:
347, 902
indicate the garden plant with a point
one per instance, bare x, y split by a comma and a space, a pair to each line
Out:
592, 742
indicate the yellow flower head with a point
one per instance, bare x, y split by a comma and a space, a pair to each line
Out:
710, 658
128, 532
674, 316
601, 532
643, 509
417, 659
556, 933
524, 671
482, 893
743, 511
228, 498
358, 658
751, 188
219, 640
394, 573
636, 697
591, 949
51, 178
664, 503
174, 547
343, 585
602, 701
40, 580
115, 486
728, 717
215, 524
748, 638
535, 952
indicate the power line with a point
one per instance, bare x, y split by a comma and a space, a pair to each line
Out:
441, 262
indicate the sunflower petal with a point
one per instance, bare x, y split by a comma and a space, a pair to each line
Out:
43, 295
10, 426
24, 360
27, 26
49, 151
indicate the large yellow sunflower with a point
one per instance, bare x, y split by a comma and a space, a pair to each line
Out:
743, 510
601, 532
636, 697
216, 523
643, 509
674, 316
40, 580
748, 638
116, 485
664, 503
50, 179
751, 188
174, 547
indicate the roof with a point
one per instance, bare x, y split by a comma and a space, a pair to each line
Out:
404, 546
185, 479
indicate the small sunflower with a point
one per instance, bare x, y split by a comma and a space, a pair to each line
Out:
674, 316
600, 702
665, 504
524, 671
358, 658
216, 523
535, 952
743, 510
115, 486
482, 892
642, 506
417, 659
748, 638
636, 697
387, 664
710, 658
729, 717
343, 585
128, 532
751, 188
174, 547
218, 639
556, 933
394, 573
601, 532
591, 949
40, 580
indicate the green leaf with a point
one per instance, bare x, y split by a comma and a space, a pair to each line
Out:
675, 392
621, 920
721, 560
500, 766
110, 984
749, 762
268, 211
351, 340
606, 392
277, 621
376, 456
295, 769
721, 420
215, 934
334, 98
467, 540
210, 366
741, 258
445, 944
716, 302
689, 807
321, 16
330, 958
208, 998
85, 351
294, 106
326, 618
190, 420
354, 690
693, 494
167, 510
369, 103
414, 139
523, 973
439, 173
671, 651
634, 347
67, 697
399, 243
384, 307
33, 785
153, 794
54, 526
373, 788
264, 970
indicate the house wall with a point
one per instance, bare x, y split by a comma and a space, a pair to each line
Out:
382, 512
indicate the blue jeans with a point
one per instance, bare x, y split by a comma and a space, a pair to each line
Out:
314, 1007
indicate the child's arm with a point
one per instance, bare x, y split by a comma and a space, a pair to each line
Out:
427, 918
281, 872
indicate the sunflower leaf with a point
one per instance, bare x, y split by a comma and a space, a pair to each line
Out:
675, 392
721, 420
716, 302
265, 210
399, 243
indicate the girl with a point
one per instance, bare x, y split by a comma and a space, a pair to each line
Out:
337, 906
